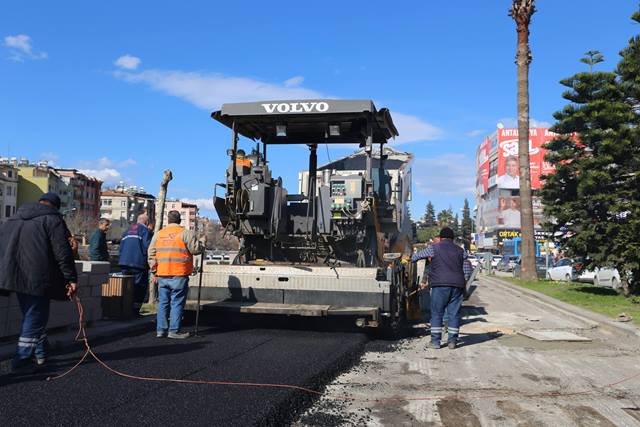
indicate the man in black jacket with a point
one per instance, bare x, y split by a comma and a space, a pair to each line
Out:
36, 262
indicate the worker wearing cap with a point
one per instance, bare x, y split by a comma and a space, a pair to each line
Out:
449, 271
171, 260
36, 262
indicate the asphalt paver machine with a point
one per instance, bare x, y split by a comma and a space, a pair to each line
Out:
336, 248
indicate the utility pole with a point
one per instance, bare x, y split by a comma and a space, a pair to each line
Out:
521, 12
162, 197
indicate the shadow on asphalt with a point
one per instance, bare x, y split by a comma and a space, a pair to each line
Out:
472, 339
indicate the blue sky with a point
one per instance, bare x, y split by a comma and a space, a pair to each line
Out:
125, 89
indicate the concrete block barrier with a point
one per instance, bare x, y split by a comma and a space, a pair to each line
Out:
91, 276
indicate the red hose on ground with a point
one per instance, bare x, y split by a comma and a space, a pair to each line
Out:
83, 337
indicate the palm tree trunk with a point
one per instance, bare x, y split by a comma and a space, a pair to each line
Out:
162, 197
521, 12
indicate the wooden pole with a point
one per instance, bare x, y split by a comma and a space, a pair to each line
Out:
162, 197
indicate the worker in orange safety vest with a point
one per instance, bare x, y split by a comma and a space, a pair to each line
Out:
242, 161
171, 260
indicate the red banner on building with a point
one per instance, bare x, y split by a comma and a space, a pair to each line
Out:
508, 175
482, 167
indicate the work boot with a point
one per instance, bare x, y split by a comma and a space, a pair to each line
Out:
161, 334
179, 335
433, 345
40, 361
452, 345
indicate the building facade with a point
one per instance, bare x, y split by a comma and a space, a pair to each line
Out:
83, 193
188, 213
122, 205
8, 189
36, 179
498, 186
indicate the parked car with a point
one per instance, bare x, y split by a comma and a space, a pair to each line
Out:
609, 277
507, 263
541, 268
566, 269
495, 260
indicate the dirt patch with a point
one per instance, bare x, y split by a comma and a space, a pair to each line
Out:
585, 416
543, 378
516, 415
525, 342
457, 413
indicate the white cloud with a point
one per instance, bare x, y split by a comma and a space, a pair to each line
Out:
127, 163
128, 62
510, 122
204, 204
413, 129
476, 133
50, 158
107, 175
445, 174
210, 90
294, 81
20, 48
105, 169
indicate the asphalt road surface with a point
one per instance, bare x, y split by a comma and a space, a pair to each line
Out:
93, 396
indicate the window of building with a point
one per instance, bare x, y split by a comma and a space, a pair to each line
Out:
123, 203
7, 211
493, 167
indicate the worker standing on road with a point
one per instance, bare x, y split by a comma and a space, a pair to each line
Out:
171, 260
134, 248
36, 262
98, 249
449, 271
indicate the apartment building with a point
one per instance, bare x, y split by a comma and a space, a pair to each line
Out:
122, 205
8, 189
36, 179
84, 193
188, 213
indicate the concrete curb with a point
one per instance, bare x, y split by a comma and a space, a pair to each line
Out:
594, 319
65, 340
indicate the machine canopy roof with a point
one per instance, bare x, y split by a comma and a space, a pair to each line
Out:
309, 121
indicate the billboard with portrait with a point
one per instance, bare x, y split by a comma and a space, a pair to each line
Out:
508, 175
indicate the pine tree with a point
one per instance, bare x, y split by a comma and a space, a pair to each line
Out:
466, 225
590, 196
455, 226
593, 57
628, 244
429, 215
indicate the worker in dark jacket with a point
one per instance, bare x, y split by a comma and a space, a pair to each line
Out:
449, 271
134, 248
36, 262
98, 249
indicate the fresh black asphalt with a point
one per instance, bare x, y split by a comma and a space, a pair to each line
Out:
93, 396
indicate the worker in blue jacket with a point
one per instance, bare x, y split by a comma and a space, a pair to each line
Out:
134, 248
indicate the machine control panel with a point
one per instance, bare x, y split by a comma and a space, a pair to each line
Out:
345, 191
